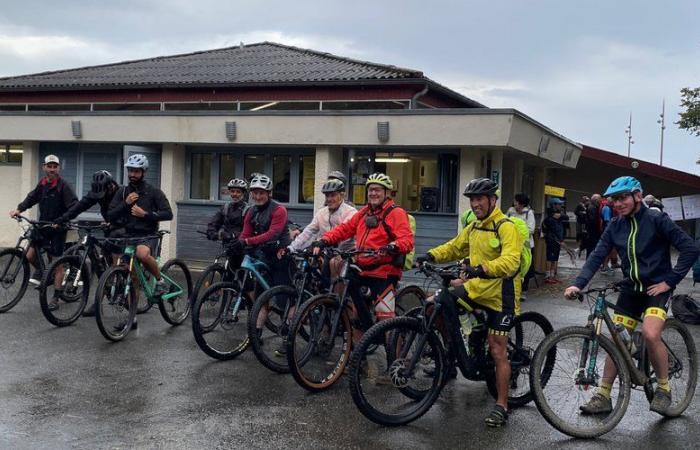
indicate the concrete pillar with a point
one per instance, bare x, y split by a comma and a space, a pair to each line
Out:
172, 183
327, 160
518, 169
508, 189
30, 171
469, 168
538, 206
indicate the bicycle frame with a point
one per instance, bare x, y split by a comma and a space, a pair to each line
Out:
28, 236
148, 286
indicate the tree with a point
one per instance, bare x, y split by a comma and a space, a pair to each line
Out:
690, 118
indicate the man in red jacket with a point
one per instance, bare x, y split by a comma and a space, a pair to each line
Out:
380, 226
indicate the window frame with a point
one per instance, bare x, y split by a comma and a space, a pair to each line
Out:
240, 154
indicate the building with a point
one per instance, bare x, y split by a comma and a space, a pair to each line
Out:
296, 114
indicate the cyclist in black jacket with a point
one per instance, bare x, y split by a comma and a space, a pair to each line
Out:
54, 197
643, 239
140, 207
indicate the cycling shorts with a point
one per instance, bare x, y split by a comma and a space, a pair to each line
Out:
53, 241
638, 305
499, 323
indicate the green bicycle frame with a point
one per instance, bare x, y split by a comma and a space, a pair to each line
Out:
148, 285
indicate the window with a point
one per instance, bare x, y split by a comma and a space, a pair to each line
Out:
421, 179
11, 153
292, 172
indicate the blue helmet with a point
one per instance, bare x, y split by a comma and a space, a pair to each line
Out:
623, 185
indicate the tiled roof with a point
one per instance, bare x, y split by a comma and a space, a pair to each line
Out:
262, 63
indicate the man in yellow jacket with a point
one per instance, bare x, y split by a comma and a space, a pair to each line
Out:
493, 245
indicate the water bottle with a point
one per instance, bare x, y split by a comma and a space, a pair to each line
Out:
465, 321
626, 338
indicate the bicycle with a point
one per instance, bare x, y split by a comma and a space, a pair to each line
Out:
320, 337
423, 347
579, 368
278, 305
115, 310
78, 265
14, 263
220, 270
219, 324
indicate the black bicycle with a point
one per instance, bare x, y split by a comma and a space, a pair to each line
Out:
14, 265
421, 349
581, 353
221, 270
63, 298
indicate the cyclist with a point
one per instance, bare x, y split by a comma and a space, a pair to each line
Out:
102, 191
54, 197
643, 238
139, 206
493, 245
227, 223
381, 225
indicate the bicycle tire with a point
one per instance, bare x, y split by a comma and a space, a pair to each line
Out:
214, 273
408, 298
622, 396
222, 305
360, 385
79, 301
301, 350
172, 314
104, 294
687, 363
8, 304
523, 349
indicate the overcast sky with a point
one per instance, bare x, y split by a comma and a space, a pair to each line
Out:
580, 68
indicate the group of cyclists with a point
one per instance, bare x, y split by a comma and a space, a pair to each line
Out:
489, 246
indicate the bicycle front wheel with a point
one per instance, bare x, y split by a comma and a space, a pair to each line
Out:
317, 353
64, 304
402, 390
682, 367
176, 308
14, 278
220, 321
559, 400
115, 309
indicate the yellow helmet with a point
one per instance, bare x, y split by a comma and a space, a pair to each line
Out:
380, 179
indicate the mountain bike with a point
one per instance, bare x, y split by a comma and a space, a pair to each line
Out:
220, 315
115, 308
321, 335
220, 270
422, 348
581, 353
78, 265
14, 265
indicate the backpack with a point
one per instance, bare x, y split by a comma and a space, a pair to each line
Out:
685, 309
521, 227
403, 261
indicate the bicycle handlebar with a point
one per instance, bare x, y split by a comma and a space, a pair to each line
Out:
612, 287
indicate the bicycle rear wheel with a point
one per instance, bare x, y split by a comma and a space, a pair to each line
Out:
560, 399
212, 274
14, 278
220, 321
386, 398
682, 367
176, 309
73, 292
115, 309
408, 298
529, 329
316, 356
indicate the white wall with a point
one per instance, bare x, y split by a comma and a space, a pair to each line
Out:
11, 177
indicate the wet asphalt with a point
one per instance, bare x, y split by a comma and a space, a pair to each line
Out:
70, 388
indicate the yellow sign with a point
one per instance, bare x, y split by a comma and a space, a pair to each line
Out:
554, 191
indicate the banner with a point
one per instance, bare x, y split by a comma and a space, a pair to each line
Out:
691, 206
554, 191
673, 206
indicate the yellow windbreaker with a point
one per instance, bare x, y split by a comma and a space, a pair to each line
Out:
498, 253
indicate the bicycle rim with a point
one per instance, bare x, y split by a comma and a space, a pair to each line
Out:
72, 294
114, 309
14, 278
560, 399
220, 321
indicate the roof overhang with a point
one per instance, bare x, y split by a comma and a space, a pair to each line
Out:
483, 128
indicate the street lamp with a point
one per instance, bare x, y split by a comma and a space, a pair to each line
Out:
628, 132
661, 120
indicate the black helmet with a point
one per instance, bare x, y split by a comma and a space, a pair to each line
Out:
101, 180
333, 185
481, 186
337, 175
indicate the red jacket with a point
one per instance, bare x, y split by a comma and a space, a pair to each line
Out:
366, 238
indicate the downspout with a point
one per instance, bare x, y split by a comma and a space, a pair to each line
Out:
414, 99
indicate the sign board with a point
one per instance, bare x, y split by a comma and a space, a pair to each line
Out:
554, 191
691, 206
673, 206
495, 176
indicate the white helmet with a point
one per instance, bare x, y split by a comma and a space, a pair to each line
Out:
137, 161
237, 183
261, 182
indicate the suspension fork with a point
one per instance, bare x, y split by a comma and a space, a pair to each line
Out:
21, 258
591, 346
427, 325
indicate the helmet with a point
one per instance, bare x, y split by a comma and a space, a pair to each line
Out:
137, 161
333, 185
51, 159
237, 183
380, 179
337, 175
481, 186
623, 185
100, 182
261, 181
555, 201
